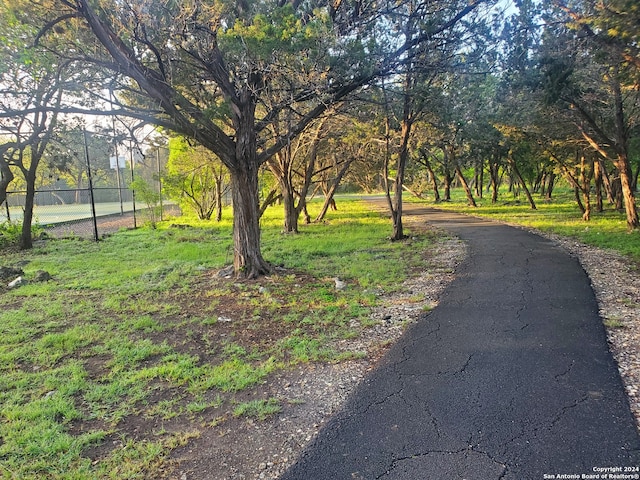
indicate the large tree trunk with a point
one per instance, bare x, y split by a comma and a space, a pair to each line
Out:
281, 167
247, 258
247, 261
585, 178
622, 161
586, 216
398, 229
622, 164
26, 238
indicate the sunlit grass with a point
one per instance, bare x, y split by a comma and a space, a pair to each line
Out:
561, 216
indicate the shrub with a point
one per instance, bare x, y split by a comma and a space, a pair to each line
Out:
10, 233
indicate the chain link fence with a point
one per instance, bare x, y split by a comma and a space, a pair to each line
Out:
83, 212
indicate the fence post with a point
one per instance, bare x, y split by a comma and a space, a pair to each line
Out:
160, 183
133, 192
93, 203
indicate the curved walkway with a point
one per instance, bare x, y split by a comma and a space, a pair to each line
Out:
510, 377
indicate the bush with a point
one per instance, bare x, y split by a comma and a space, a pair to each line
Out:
150, 197
10, 233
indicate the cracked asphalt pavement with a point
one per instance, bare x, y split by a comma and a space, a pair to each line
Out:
509, 377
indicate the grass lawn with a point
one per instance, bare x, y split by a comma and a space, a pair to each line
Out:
136, 345
561, 215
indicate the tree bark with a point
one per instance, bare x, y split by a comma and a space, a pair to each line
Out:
465, 185
550, 184
585, 178
622, 164
432, 176
248, 261
398, 229
622, 160
218, 194
495, 181
329, 202
518, 175
6, 176
26, 237
447, 180
597, 174
289, 203
576, 193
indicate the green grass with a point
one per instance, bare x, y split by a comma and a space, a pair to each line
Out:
561, 216
135, 330
129, 329
259, 409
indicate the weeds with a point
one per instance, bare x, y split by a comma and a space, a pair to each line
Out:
259, 409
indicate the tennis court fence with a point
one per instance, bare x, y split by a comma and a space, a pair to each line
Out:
84, 212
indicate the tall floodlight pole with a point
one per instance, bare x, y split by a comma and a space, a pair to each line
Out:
115, 152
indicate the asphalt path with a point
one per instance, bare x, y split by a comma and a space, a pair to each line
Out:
510, 377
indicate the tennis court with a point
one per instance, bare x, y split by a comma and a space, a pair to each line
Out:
52, 214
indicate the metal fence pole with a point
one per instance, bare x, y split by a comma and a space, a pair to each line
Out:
160, 183
93, 203
133, 192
